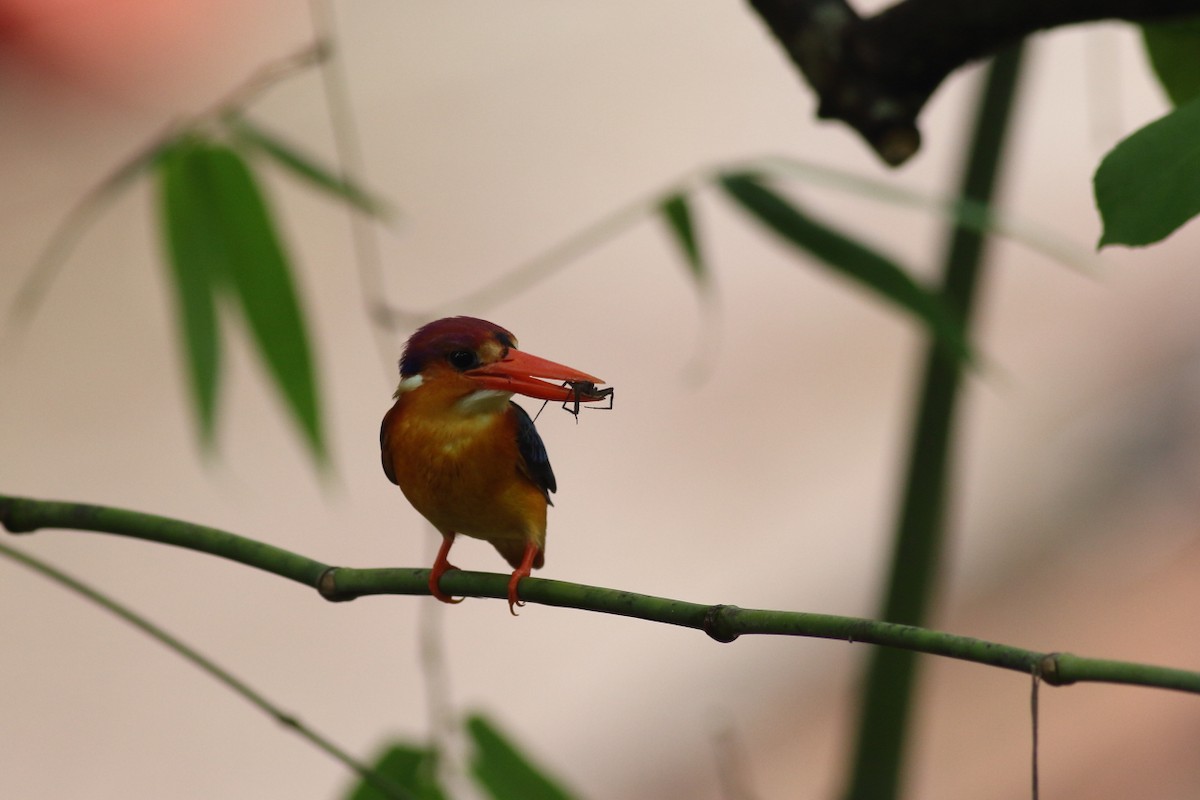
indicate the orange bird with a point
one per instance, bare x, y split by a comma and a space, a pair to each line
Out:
466, 456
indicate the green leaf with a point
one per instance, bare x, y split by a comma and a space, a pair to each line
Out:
965, 212
503, 771
307, 167
848, 257
193, 248
1149, 184
411, 768
250, 258
1174, 51
677, 213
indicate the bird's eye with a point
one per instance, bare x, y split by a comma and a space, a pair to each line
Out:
463, 359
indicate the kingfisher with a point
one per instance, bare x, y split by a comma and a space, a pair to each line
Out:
465, 455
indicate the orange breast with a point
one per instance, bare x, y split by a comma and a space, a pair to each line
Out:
462, 472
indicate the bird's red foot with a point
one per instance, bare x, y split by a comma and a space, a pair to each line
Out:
441, 565
531, 551
435, 577
513, 599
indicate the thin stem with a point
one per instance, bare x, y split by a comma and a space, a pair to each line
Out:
347, 145
724, 623
542, 266
444, 736
32, 291
20, 515
887, 698
37, 282
206, 664
964, 212
1033, 714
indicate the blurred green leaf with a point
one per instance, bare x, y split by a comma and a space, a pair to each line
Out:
1174, 51
193, 247
1149, 184
249, 256
503, 771
967, 213
677, 213
411, 768
848, 257
307, 167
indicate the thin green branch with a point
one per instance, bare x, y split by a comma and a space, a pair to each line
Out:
222, 675
1033, 715
351, 166
31, 292
542, 266
23, 515
965, 212
723, 623
37, 282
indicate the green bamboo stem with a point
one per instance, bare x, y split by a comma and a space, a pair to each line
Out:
875, 772
724, 623
23, 515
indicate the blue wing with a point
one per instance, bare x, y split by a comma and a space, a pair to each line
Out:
533, 453
383, 451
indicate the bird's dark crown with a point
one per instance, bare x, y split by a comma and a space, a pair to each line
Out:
444, 336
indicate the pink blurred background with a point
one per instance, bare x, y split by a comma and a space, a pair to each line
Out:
766, 478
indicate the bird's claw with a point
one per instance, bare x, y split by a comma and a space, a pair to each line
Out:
435, 578
514, 601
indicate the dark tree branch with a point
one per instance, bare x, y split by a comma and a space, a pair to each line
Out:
876, 73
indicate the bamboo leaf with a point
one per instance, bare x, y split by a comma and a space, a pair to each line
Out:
963, 211
308, 168
1174, 52
256, 269
411, 768
192, 248
1149, 184
677, 213
503, 771
848, 257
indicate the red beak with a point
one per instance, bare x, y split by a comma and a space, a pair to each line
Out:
518, 372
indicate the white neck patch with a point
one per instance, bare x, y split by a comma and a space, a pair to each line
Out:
484, 401
408, 384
